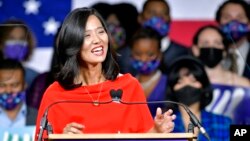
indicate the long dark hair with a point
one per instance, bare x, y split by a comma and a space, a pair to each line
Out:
70, 41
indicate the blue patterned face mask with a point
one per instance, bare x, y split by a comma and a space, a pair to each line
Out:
145, 67
158, 24
235, 30
118, 35
9, 101
14, 49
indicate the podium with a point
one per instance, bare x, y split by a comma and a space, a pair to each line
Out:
123, 137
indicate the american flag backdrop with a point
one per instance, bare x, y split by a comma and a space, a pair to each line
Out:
45, 16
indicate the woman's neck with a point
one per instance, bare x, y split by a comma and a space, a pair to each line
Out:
216, 70
91, 75
217, 74
144, 78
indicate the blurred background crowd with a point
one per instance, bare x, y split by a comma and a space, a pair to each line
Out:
194, 52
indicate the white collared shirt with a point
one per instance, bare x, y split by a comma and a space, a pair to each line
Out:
18, 122
241, 53
165, 42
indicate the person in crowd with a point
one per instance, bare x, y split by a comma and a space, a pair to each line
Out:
17, 42
211, 47
122, 28
88, 74
43, 80
188, 84
156, 14
146, 59
233, 16
13, 110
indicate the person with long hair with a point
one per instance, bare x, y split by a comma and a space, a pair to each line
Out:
89, 72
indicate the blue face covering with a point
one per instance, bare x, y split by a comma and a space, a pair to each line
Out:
145, 67
158, 24
118, 35
15, 49
235, 30
9, 101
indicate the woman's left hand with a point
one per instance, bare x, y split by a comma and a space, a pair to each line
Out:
164, 121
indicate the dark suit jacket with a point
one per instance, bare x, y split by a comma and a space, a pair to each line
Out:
246, 72
31, 116
174, 51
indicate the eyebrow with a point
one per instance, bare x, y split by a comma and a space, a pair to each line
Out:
100, 27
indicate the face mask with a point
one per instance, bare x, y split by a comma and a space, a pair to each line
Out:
118, 35
188, 95
158, 24
14, 49
211, 57
235, 30
9, 101
145, 67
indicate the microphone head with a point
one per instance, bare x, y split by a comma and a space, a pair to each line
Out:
116, 94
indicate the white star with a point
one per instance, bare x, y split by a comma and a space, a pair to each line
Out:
51, 26
31, 6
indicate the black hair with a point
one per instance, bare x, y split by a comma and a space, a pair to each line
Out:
163, 1
70, 41
12, 65
200, 30
104, 9
242, 3
194, 67
121, 10
146, 33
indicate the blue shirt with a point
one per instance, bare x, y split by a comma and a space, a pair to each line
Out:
217, 126
158, 94
6, 122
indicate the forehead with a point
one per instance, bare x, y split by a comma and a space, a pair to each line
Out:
232, 8
184, 72
10, 75
17, 32
146, 44
93, 22
157, 6
209, 32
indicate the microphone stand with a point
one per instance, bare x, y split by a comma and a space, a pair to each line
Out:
45, 125
190, 128
194, 120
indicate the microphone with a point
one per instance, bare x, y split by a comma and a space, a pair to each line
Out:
117, 95
44, 125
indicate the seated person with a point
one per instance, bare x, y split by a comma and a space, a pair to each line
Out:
229, 89
17, 42
13, 110
146, 58
188, 84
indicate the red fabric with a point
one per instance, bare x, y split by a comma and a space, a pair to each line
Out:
182, 31
106, 118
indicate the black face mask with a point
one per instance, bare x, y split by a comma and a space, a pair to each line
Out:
211, 57
188, 95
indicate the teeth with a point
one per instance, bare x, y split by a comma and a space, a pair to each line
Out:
97, 49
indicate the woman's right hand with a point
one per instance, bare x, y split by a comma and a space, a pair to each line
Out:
73, 128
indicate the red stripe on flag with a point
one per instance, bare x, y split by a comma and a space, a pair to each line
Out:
183, 31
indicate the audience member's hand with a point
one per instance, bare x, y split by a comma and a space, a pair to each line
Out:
164, 121
73, 128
